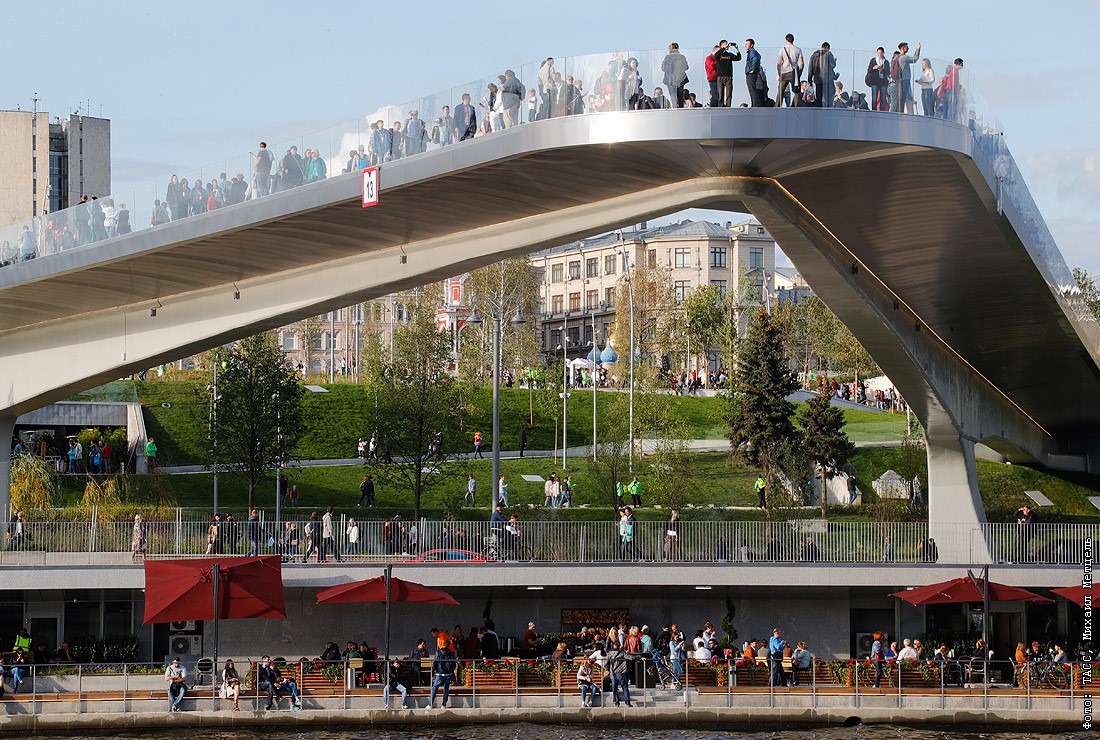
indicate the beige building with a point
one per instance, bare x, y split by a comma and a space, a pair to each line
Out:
48, 166
578, 293
580, 279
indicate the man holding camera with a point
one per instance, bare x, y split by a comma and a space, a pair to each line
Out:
723, 63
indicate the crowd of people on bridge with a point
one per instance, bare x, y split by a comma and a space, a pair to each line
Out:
892, 79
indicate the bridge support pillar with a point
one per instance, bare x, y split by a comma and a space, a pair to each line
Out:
955, 510
7, 428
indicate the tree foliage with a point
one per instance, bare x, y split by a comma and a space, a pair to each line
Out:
705, 314
827, 445
1090, 292
612, 452
34, 484
654, 313
259, 411
519, 343
418, 401
760, 428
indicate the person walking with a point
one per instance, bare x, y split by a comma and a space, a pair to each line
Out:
761, 492
253, 532
137, 539
618, 664
789, 64
366, 491
328, 534
443, 668
477, 445
502, 491
776, 646
470, 499
522, 438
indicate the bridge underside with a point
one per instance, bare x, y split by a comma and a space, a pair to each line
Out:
894, 222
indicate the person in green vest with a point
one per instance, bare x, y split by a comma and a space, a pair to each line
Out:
636, 492
22, 640
760, 486
151, 453
619, 493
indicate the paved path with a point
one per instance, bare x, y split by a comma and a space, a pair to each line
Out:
646, 446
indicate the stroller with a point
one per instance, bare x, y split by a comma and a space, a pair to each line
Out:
665, 677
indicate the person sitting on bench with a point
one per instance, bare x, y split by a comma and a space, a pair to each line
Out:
270, 679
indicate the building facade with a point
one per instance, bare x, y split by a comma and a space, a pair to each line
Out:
581, 279
48, 166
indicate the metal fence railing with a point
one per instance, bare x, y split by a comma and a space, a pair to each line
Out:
356, 684
806, 541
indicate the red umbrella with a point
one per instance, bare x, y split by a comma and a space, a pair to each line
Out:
242, 588
373, 590
963, 591
1076, 594
384, 589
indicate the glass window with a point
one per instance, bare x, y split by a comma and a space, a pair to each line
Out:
609, 297
557, 272
575, 301
555, 338
587, 334
558, 302
609, 264
651, 258
682, 289
317, 342
288, 340
756, 258
575, 270
721, 285
681, 257
574, 336
717, 256
592, 267
591, 299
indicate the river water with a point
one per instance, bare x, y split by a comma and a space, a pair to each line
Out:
585, 732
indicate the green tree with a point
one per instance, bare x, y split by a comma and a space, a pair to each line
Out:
259, 411
654, 313
485, 287
761, 432
827, 445
421, 401
612, 459
307, 332
1090, 292
705, 316
34, 484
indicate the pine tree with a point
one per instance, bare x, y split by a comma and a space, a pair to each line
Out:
761, 431
826, 442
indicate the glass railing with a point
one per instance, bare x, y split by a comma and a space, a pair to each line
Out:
522, 95
796, 541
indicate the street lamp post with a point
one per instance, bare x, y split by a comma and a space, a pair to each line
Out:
628, 268
214, 430
564, 402
497, 307
595, 383
358, 330
332, 347
278, 461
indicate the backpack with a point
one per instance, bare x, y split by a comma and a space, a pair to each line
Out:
895, 68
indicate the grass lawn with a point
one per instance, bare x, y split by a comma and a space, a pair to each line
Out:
176, 414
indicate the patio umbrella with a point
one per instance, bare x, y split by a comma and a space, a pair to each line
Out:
241, 588
964, 591
1076, 594
383, 589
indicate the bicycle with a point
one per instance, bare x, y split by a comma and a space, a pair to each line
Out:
1051, 675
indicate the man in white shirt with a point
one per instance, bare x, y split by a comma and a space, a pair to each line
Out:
908, 652
702, 654
789, 64
175, 675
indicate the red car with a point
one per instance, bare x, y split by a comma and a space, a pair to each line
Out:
449, 556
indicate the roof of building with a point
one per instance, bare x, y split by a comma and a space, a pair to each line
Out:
685, 229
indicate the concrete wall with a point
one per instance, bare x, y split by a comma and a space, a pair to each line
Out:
89, 158
15, 166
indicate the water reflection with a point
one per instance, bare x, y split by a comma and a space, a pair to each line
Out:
579, 732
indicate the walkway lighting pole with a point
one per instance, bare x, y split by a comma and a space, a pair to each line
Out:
332, 347
497, 306
628, 266
564, 401
358, 330
214, 429
595, 383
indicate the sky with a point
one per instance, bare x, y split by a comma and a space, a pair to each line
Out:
186, 85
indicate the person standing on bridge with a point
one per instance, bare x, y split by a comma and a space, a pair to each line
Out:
723, 64
262, 161
905, 90
381, 143
465, 119
755, 79
293, 169
789, 64
675, 66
